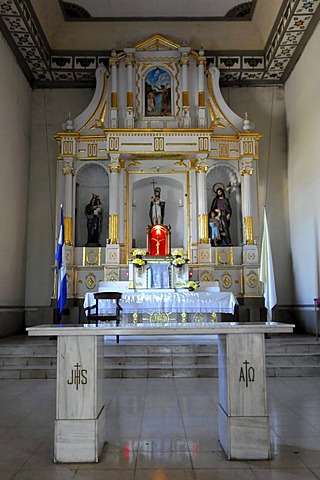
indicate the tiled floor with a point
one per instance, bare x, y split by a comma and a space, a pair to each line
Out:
160, 429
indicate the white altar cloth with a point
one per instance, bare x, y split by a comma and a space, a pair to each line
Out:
157, 301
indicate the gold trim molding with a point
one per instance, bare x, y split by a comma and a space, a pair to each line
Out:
113, 228
203, 228
248, 225
68, 230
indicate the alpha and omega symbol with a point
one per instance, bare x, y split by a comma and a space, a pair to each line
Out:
78, 376
247, 374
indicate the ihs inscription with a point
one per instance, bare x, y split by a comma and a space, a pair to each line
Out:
78, 376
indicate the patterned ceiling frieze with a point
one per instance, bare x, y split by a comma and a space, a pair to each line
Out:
48, 68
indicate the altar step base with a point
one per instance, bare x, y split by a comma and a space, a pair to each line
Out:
295, 357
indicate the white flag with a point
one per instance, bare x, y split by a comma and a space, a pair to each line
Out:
266, 270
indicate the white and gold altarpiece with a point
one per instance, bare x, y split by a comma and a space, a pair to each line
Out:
158, 118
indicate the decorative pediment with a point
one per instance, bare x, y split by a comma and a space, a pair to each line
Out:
157, 43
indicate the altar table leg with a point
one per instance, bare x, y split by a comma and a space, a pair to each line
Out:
242, 411
80, 413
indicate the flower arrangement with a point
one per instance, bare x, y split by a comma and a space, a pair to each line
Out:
138, 262
179, 257
138, 252
138, 255
178, 261
178, 252
191, 285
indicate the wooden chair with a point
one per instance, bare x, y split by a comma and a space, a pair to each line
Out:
93, 311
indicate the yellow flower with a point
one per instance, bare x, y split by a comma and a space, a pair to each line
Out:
192, 284
178, 252
139, 252
179, 261
139, 262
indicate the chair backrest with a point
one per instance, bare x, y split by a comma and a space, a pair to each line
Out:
107, 295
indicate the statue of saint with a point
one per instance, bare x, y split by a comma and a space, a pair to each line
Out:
156, 211
221, 210
93, 212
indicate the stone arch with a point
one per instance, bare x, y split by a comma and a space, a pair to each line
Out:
226, 176
90, 177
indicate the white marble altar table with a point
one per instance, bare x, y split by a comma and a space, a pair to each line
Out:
166, 301
80, 410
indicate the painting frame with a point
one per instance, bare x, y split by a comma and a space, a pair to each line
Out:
158, 93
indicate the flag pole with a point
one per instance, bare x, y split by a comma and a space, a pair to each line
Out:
266, 270
61, 285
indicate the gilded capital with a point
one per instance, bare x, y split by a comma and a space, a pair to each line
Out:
129, 60
68, 168
185, 60
246, 167
202, 166
114, 168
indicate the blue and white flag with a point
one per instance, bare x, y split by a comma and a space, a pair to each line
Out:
266, 270
61, 268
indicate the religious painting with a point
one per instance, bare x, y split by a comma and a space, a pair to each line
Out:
158, 91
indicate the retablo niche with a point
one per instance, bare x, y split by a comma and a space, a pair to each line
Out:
159, 240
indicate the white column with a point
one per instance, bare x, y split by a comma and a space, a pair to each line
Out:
201, 169
121, 208
184, 62
248, 143
193, 215
114, 90
202, 121
68, 172
129, 121
114, 169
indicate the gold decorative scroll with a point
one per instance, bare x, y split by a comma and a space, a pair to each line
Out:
248, 225
114, 99
185, 99
203, 228
113, 228
201, 99
67, 230
129, 99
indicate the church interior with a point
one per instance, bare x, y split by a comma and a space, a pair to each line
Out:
171, 136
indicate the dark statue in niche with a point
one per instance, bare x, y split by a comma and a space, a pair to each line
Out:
93, 212
156, 210
219, 217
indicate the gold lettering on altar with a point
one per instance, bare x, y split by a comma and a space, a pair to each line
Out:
78, 376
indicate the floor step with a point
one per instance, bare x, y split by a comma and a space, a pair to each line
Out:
35, 357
